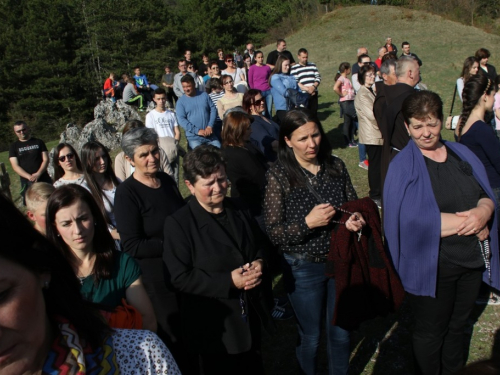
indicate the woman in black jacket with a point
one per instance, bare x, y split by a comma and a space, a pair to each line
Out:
215, 259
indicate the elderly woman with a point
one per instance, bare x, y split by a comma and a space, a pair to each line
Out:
246, 165
124, 169
265, 132
304, 189
438, 212
78, 228
47, 327
369, 132
67, 166
215, 260
142, 203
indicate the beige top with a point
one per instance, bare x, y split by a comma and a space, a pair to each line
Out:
224, 103
369, 133
123, 169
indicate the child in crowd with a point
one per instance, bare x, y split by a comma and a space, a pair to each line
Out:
214, 90
110, 86
37, 196
343, 87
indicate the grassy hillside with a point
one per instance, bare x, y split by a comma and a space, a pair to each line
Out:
383, 346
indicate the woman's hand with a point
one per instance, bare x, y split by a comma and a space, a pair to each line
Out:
114, 233
320, 215
476, 218
247, 276
355, 222
483, 234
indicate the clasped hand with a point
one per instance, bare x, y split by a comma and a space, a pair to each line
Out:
247, 276
322, 213
475, 223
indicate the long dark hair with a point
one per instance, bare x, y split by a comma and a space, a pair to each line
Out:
342, 68
294, 119
468, 63
278, 68
89, 156
25, 246
58, 170
474, 89
103, 244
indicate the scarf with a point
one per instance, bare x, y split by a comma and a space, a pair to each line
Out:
71, 355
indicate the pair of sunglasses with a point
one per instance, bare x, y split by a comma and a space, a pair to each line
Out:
70, 156
259, 102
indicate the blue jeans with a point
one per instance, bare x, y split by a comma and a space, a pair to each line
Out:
312, 296
269, 103
198, 141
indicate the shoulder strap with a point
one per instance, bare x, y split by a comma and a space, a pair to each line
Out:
453, 101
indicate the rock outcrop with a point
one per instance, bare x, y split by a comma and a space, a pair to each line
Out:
109, 118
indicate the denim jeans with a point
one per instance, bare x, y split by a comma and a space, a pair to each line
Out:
269, 103
312, 296
198, 141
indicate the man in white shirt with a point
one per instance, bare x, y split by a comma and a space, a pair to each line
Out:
164, 122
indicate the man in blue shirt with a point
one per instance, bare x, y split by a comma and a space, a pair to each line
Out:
196, 115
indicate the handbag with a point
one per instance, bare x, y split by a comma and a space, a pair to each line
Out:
452, 121
297, 99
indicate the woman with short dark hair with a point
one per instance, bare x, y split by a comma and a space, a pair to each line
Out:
483, 55
304, 191
214, 256
440, 223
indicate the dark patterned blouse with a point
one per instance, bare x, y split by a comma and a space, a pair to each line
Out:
286, 207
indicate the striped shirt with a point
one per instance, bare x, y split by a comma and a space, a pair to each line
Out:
215, 96
307, 74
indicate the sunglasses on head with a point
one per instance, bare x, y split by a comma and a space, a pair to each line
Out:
259, 102
70, 156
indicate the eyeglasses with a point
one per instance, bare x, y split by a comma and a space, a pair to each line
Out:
229, 60
371, 75
70, 156
366, 63
259, 102
228, 82
24, 130
215, 68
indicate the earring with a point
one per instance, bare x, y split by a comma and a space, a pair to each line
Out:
95, 223
46, 284
58, 235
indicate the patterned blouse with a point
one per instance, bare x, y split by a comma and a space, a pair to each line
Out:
286, 207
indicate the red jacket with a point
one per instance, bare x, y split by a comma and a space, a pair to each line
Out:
365, 281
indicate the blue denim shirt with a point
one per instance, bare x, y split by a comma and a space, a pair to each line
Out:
279, 84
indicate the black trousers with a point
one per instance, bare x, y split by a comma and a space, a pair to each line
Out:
312, 106
374, 177
438, 337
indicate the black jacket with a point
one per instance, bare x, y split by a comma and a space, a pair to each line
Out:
199, 256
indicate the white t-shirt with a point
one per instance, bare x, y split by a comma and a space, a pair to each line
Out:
163, 122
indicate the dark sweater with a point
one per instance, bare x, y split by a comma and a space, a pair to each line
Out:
482, 141
140, 213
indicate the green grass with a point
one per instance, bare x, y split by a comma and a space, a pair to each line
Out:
381, 346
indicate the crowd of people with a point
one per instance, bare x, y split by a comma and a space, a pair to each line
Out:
119, 271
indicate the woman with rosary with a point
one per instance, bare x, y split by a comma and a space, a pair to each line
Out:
304, 189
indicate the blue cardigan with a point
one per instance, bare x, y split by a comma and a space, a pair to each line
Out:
412, 220
279, 83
